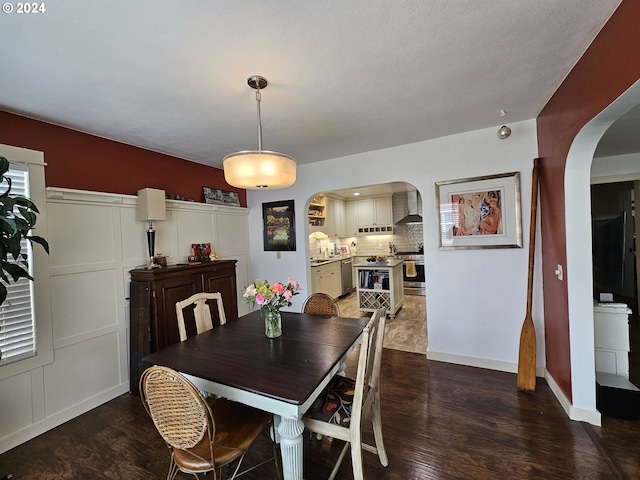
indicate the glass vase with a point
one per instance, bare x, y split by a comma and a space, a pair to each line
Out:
273, 324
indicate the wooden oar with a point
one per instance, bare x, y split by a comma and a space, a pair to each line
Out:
527, 356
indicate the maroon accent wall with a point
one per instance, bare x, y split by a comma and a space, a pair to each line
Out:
607, 69
86, 162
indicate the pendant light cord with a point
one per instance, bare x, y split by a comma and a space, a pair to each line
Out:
258, 98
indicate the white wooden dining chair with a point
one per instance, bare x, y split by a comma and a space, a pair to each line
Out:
201, 312
338, 410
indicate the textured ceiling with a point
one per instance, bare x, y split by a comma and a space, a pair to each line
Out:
345, 76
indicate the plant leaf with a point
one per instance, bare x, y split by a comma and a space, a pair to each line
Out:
40, 241
28, 215
8, 225
15, 271
4, 167
26, 202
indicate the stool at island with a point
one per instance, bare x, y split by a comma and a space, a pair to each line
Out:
380, 285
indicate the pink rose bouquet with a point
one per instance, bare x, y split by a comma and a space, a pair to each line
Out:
271, 297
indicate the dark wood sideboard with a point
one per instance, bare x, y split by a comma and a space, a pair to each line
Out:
154, 294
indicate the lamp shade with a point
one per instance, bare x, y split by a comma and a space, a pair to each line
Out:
259, 169
151, 204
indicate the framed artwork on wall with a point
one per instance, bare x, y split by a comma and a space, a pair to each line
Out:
216, 196
480, 212
278, 226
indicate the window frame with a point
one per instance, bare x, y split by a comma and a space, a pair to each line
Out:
34, 161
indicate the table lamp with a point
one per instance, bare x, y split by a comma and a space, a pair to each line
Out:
151, 206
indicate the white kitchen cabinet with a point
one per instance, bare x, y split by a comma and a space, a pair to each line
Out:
335, 223
327, 279
351, 218
366, 212
611, 338
374, 216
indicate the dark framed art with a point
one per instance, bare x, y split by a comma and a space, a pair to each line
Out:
279, 226
480, 212
216, 196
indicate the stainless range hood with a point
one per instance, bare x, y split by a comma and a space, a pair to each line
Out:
412, 217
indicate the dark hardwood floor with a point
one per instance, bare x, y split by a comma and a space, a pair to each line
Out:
440, 421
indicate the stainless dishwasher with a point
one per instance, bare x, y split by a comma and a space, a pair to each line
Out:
347, 275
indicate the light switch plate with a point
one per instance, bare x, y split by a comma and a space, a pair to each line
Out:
559, 272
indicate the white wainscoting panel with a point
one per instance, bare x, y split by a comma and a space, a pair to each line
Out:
81, 371
233, 234
15, 404
135, 232
80, 234
194, 227
83, 303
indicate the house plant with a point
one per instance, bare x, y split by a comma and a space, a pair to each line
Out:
17, 220
271, 298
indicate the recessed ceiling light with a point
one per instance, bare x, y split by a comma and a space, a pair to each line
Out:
355, 194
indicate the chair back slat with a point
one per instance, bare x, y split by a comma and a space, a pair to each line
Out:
201, 312
374, 360
367, 374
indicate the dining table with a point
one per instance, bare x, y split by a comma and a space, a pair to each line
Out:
282, 375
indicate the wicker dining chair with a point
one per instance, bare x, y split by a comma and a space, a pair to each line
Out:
201, 312
321, 304
339, 409
202, 438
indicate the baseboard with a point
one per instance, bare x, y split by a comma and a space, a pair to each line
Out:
32, 431
578, 414
487, 363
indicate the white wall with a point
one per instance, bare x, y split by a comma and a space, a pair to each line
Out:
476, 299
95, 240
620, 168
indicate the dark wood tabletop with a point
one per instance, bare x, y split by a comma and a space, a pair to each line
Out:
288, 368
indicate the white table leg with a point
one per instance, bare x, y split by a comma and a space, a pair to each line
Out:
290, 432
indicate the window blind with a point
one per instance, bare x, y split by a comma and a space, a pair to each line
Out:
17, 328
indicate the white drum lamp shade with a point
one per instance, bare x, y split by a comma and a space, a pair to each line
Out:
253, 169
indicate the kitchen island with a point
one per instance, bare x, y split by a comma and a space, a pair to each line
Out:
379, 285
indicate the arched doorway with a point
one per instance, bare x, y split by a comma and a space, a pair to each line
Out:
578, 241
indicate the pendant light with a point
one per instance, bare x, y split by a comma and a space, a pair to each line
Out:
259, 169
504, 132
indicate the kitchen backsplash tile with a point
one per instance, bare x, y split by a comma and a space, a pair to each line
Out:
406, 238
